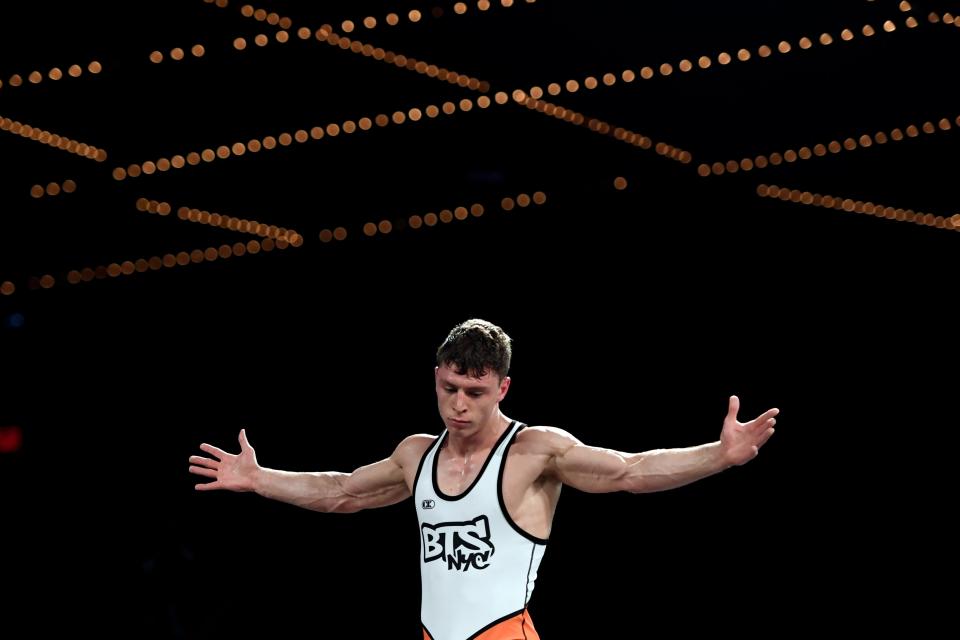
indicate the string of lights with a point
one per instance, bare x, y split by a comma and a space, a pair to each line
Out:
55, 73
444, 216
724, 58
53, 188
858, 206
52, 139
819, 150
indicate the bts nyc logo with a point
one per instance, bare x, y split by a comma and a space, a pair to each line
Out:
460, 544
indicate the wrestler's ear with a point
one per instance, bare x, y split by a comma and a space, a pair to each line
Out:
504, 387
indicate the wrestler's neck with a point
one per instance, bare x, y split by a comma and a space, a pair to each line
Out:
481, 439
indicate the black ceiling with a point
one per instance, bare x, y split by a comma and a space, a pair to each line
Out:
137, 111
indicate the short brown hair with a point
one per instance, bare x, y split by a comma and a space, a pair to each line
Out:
476, 346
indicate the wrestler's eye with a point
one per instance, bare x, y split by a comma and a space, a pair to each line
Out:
476, 394
449, 389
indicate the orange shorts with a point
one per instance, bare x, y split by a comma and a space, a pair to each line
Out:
519, 627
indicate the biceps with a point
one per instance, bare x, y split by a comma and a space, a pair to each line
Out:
375, 485
592, 469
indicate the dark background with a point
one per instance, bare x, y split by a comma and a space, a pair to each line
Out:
635, 313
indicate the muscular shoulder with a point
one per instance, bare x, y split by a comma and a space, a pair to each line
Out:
411, 449
549, 441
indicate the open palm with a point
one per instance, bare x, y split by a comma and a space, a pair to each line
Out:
741, 441
234, 472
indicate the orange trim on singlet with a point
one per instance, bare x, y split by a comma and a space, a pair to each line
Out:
519, 627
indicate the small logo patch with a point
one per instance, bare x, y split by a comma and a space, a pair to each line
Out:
427, 504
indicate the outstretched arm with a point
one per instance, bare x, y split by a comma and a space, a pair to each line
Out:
376, 485
603, 470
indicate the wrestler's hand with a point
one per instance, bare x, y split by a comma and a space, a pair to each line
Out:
231, 472
741, 441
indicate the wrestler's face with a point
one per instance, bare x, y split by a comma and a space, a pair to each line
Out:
467, 403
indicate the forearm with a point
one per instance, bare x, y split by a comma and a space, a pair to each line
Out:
318, 491
662, 469
375, 485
